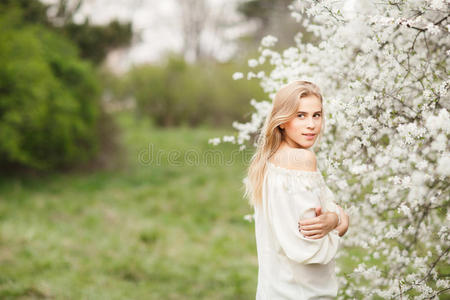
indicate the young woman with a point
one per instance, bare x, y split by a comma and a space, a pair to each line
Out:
297, 222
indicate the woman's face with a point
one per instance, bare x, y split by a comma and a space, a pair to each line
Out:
307, 121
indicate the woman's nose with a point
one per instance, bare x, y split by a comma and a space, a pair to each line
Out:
311, 123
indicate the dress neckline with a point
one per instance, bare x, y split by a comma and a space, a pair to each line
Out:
284, 170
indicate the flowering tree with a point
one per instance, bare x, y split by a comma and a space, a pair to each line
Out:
383, 71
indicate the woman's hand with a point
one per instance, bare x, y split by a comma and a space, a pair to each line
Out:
321, 225
345, 221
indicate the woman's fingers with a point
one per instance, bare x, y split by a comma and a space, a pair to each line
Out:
343, 212
311, 232
311, 221
311, 227
314, 237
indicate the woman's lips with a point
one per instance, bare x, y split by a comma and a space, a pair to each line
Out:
309, 136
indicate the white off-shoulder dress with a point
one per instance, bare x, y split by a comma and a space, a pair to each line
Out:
292, 266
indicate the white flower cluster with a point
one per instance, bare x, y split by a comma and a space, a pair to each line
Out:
227, 138
252, 63
238, 75
230, 139
434, 123
438, 4
384, 77
246, 129
249, 217
443, 165
269, 41
410, 132
215, 141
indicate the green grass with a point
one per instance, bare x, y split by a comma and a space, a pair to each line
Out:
167, 230
151, 230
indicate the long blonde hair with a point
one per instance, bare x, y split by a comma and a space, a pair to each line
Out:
284, 107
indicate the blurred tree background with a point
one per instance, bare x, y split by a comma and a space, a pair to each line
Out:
50, 110
56, 93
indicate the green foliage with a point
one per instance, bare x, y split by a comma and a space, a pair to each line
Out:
48, 98
33, 11
178, 93
94, 41
257, 9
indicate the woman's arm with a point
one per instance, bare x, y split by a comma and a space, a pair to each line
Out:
318, 227
283, 207
321, 225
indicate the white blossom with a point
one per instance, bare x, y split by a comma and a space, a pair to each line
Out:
252, 63
385, 148
443, 283
229, 138
238, 75
269, 41
214, 141
433, 29
404, 209
438, 4
443, 165
441, 121
249, 217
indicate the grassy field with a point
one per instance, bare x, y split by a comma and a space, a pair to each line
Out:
167, 228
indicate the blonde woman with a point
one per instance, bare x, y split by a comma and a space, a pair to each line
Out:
298, 225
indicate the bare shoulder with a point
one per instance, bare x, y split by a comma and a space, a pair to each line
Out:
297, 159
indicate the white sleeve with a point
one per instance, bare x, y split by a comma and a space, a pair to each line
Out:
329, 201
285, 208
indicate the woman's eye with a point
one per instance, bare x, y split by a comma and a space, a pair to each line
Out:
301, 115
